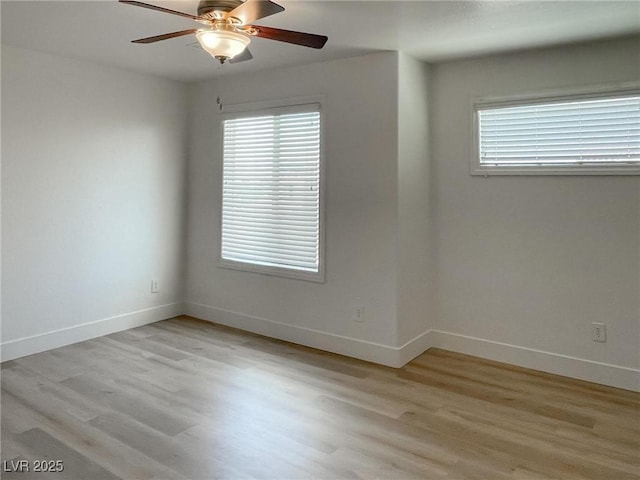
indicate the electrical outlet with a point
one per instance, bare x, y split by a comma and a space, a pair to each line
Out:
358, 313
598, 332
155, 286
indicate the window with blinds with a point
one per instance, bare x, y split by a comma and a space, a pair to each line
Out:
569, 135
271, 192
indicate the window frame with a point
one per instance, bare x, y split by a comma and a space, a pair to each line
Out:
589, 93
255, 109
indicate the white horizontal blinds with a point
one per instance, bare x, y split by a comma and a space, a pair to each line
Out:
587, 132
271, 196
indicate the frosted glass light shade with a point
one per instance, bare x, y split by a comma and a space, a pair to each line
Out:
222, 44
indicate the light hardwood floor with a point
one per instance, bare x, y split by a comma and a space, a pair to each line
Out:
187, 399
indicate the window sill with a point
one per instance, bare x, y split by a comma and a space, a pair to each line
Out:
569, 170
316, 277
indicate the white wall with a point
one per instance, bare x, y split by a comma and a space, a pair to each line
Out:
530, 262
511, 268
360, 121
93, 204
416, 284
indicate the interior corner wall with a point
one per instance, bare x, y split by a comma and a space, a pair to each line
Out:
93, 200
415, 282
360, 145
525, 264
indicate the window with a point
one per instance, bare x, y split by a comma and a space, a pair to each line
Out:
580, 134
271, 205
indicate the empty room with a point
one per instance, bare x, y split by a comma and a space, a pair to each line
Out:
320, 239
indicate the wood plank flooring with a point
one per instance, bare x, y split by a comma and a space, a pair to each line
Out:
185, 399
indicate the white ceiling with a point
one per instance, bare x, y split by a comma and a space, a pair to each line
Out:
101, 31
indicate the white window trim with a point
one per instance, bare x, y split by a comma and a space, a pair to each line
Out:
593, 92
265, 107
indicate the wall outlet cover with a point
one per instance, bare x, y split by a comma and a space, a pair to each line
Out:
598, 332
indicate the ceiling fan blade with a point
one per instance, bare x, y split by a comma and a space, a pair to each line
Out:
243, 57
159, 9
166, 36
252, 10
289, 36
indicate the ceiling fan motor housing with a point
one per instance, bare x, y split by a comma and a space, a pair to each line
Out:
207, 7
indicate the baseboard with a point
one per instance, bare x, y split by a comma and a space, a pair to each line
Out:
65, 336
565, 365
350, 347
415, 347
583, 369
579, 368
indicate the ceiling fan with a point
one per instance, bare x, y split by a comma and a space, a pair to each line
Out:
228, 27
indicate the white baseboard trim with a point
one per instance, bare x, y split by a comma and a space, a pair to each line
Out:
415, 347
22, 347
583, 369
579, 368
329, 342
565, 365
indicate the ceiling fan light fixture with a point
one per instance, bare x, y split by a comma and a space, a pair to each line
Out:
228, 27
222, 44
